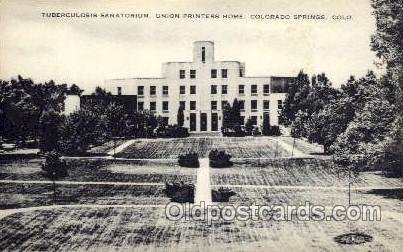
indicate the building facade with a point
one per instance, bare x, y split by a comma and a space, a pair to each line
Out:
202, 87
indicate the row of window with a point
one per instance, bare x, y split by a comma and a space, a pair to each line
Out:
213, 90
192, 105
213, 74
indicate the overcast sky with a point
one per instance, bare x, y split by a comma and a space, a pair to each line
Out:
88, 51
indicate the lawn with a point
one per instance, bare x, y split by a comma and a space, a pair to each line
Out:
242, 147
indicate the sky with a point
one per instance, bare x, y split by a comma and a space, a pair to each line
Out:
86, 51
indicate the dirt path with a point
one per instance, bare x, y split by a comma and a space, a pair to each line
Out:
121, 147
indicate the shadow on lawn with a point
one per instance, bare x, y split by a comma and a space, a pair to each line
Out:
388, 193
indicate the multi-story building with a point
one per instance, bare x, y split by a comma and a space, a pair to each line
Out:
202, 87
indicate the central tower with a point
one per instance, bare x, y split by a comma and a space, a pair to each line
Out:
203, 51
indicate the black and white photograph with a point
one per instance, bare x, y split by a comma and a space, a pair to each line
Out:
185, 125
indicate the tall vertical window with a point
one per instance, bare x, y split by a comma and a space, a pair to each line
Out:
192, 74
223, 104
266, 89
182, 104
140, 90
182, 89
182, 74
203, 54
253, 105
213, 73
165, 90
224, 89
165, 106
153, 90
119, 90
153, 106
213, 105
213, 89
266, 105
241, 89
140, 106
253, 89
192, 105
224, 73
192, 89
280, 104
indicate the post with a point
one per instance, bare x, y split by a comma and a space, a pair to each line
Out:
293, 145
275, 154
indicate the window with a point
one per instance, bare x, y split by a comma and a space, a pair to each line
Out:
280, 104
266, 105
182, 104
119, 90
153, 90
223, 104
213, 73
192, 105
266, 89
182, 74
241, 89
242, 105
213, 105
213, 89
140, 90
192, 74
254, 120
140, 106
165, 106
253, 105
165, 90
153, 106
253, 89
224, 73
224, 89
192, 89
203, 54
182, 89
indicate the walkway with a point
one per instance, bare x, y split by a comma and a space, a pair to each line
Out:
121, 147
203, 188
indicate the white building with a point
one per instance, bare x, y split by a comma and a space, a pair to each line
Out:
203, 86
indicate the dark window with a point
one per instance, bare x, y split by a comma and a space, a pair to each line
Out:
165, 90
266, 105
253, 105
153, 106
223, 104
266, 89
140, 105
140, 90
213, 105
192, 89
192, 105
213, 89
213, 73
224, 73
253, 89
182, 104
254, 120
182, 89
224, 89
165, 106
192, 74
153, 90
119, 90
241, 89
280, 104
242, 105
203, 54
182, 74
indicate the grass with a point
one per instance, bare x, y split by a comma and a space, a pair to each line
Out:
244, 147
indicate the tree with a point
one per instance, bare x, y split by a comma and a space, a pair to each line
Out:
249, 126
49, 130
54, 168
180, 116
266, 124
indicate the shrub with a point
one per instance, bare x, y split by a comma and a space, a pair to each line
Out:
54, 168
272, 131
236, 131
219, 159
180, 192
189, 160
173, 131
222, 194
